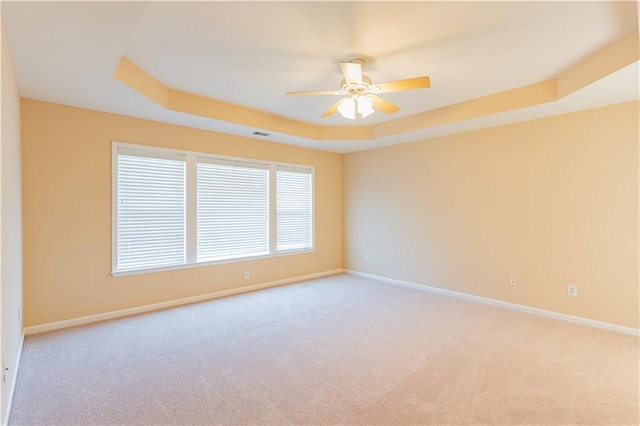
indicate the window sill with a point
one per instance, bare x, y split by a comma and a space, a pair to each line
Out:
210, 263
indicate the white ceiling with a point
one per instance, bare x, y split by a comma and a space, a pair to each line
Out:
251, 53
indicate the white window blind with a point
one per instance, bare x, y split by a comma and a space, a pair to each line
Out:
233, 210
294, 208
150, 211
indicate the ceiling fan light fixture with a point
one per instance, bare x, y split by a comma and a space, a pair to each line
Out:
365, 105
362, 104
347, 108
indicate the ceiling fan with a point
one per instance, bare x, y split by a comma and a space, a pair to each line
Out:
361, 95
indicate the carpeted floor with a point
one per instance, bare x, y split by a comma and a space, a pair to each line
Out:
337, 350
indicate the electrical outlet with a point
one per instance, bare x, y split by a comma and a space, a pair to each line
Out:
366, 257
512, 281
246, 275
572, 290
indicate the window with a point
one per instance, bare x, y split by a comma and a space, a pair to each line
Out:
233, 210
150, 211
293, 208
175, 209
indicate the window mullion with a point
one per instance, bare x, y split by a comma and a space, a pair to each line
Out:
273, 203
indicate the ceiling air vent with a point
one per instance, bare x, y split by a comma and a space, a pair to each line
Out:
261, 134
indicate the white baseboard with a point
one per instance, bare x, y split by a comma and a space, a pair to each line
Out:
171, 303
522, 308
14, 379
200, 298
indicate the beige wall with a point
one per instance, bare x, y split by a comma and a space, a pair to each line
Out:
10, 227
67, 214
552, 201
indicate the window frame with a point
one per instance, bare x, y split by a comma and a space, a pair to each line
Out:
191, 202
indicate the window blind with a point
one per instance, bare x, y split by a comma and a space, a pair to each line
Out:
232, 212
294, 208
150, 211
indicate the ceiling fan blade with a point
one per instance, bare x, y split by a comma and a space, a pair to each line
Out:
331, 110
400, 85
380, 104
315, 92
352, 72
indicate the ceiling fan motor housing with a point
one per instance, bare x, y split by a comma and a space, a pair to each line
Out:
355, 88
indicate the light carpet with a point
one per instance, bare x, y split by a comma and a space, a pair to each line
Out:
336, 350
